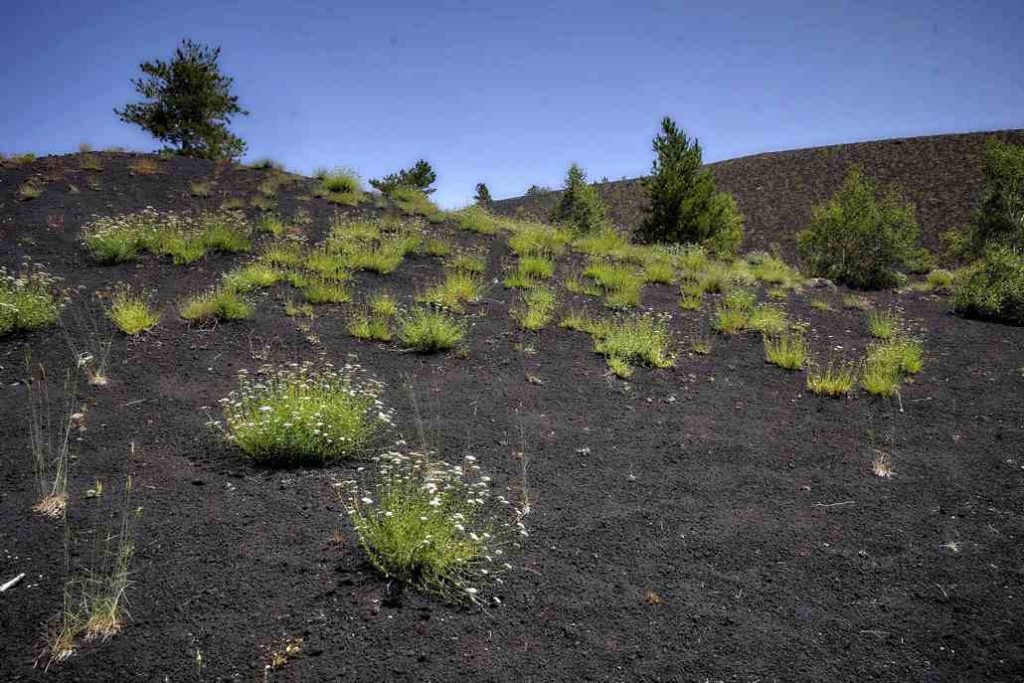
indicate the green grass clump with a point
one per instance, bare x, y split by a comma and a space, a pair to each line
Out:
469, 263
787, 350
272, 224
284, 254
477, 219
835, 379
131, 312
535, 308
536, 267
880, 377
295, 309
659, 272
604, 244
305, 415
734, 310
437, 247
641, 339
413, 202
202, 188
27, 302
29, 190
882, 324
940, 280
537, 239
364, 325
458, 288
319, 290
221, 303
582, 321
432, 525
184, 238
856, 302
577, 284
428, 330
341, 186
384, 304
767, 319
888, 362
622, 284
252, 276
691, 296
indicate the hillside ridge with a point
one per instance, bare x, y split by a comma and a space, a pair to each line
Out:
940, 174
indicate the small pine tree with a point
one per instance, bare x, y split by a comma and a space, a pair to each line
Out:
861, 237
420, 177
579, 206
684, 205
483, 195
189, 104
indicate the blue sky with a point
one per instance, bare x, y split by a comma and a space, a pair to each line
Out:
511, 95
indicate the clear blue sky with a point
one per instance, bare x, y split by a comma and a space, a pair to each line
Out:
511, 96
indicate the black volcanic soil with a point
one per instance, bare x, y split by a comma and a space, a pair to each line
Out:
940, 174
745, 504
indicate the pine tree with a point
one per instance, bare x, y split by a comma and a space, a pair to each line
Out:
483, 195
684, 205
420, 177
579, 206
188, 104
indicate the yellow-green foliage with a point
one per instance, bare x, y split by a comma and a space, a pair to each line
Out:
27, 301
883, 324
458, 288
537, 239
691, 296
940, 280
341, 186
365, 325
305, 415
284, 254
184, 238
622, 284
29, 190
477, 219
535, 308
888, 362
767, 319
582, 321
577, 284
787, 350
470, 263
202, 188
659, 272
734, 310
252, 276
835, 379
606, 243
319, 290
428, 330
437, 247
412, 202
641, 339
131, 312
272, 224
772, 271
379, 246
217, 304
432, 525
384, 304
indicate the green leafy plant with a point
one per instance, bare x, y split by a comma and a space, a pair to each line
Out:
859, 237
131, 313
433, 525
684, 205
733, 312
188, 104
303, 414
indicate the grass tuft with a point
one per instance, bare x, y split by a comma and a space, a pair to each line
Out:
428, 330
221, 303
787, 350
835, 379
535, 308
131, 312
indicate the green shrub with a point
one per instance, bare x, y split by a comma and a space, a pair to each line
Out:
859, 238
433, 525
579, 206
305, 415
27, 301
428, 330
418, 177
684, 205
217, 304
131, 312
992, 288
999, 219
